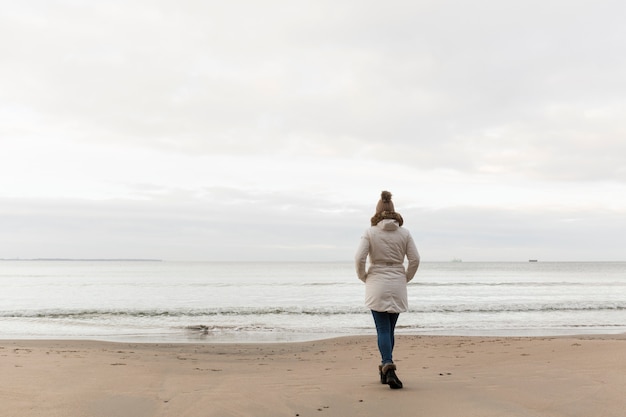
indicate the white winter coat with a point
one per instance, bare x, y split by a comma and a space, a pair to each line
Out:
387, 244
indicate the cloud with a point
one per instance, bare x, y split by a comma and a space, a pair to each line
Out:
281, 227
308, 110
558, 234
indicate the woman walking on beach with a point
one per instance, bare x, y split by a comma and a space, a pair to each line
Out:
387, 244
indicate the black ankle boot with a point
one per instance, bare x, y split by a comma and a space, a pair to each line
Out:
389, 374
383, 380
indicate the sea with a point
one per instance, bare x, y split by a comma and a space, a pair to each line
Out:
217, 302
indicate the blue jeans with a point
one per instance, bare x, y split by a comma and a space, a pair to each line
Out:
385, 327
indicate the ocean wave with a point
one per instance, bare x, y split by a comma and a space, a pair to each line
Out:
415, 282
303, 311
518, 284
521, 308
233, 311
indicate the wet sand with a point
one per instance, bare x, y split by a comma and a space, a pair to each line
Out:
443, 376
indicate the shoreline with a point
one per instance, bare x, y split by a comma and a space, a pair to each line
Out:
271, 337
169, 342
443, 376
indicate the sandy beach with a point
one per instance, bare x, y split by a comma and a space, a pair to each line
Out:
443, 376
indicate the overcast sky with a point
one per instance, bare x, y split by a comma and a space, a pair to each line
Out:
266, 130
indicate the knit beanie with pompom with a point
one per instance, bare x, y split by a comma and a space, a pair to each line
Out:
386, 210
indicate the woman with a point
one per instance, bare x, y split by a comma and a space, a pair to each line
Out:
387, 244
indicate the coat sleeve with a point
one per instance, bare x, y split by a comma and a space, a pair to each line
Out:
413, 257
361, 257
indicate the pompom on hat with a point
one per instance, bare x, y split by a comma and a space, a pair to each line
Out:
385, 203
386, 210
